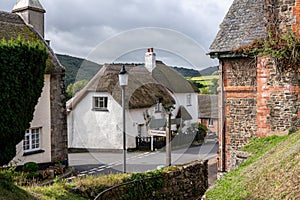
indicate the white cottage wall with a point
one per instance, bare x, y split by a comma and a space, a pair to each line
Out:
181, 100
41, 119
89, 129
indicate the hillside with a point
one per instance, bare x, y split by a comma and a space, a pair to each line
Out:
77, 68
185, 72
272, 172
208, 71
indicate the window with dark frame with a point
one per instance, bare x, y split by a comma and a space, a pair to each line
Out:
100, 103
31, 141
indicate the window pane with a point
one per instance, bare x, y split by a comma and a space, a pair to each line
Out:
32, 139
100, 102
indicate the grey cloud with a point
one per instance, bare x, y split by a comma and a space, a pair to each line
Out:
76, 27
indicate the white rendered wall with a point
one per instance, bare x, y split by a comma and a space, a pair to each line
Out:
181, 100
90, 129
41, 119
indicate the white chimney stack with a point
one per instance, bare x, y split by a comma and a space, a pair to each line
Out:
150, 60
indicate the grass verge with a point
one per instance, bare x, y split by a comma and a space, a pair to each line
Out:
272, 171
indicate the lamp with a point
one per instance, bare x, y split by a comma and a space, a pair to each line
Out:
123, 76
123, 80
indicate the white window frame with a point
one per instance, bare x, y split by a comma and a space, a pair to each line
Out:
32, 140
100, 103
189, 100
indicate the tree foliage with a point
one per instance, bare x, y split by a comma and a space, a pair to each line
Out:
73, 88
22, 66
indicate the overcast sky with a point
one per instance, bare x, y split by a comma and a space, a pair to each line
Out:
181, 31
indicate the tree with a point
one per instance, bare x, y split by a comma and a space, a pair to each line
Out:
22, 67
73, 88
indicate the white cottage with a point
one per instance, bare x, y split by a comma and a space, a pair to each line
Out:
95, 113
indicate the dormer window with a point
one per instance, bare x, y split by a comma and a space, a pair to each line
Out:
100, 103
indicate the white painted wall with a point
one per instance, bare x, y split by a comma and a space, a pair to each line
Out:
181, 100
102, 130
41, 119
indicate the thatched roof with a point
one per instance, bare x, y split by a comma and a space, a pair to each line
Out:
243, 23
12, 26
208, 106
171, 79
142, 90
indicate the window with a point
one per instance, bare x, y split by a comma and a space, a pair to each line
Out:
210, 122
100, 103
32, 140
158, 105
189, 100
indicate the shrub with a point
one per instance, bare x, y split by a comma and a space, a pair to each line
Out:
31, 168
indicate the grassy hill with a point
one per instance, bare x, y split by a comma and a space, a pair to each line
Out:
272, 172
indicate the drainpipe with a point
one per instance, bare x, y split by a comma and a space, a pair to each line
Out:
222, 118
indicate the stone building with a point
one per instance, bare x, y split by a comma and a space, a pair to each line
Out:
46, 140
258, 96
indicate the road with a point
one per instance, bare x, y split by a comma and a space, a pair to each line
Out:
94, 163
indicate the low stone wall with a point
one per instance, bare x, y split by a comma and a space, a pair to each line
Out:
189, 181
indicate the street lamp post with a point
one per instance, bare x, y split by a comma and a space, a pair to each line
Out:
123, 80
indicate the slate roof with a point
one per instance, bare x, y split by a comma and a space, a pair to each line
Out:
208, 106
171, 79
244, 22
13, 26
183, 114
142, 90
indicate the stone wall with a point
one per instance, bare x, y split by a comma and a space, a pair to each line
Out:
278, 98
240, 83
59, 139
296, 12
189, 181
241, 72
285, 16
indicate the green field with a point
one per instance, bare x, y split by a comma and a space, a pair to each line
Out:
206, 84
205, 80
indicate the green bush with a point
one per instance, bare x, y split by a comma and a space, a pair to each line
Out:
31, 168
202, 132
22, 67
